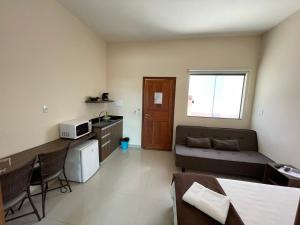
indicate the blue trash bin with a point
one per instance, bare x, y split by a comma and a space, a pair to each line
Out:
124, 146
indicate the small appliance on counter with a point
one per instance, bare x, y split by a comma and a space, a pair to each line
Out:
82, 161
105, 97
74, 129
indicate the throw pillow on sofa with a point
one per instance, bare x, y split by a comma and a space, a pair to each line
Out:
227, 145
198, 142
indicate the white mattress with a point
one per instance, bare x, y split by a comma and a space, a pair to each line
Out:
259, 204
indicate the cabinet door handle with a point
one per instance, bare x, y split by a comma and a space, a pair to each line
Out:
106, 135
106, 143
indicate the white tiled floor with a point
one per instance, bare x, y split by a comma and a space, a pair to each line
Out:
131, 188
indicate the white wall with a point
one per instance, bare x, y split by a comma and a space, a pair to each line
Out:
129, 62
47, 56
277, 105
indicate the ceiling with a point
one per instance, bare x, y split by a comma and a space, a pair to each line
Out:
144, 20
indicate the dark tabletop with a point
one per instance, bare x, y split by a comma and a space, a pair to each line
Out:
18, 159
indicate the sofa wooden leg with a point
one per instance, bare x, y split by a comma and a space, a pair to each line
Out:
183, 169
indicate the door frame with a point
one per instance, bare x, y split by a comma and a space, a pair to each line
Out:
173, 109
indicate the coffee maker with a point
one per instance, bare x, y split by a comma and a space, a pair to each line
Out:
105, 97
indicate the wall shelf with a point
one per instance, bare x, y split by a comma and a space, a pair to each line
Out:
99, 101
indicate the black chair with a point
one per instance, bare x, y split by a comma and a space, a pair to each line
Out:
16, 188
51, 167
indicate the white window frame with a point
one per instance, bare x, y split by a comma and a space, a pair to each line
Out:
221, 73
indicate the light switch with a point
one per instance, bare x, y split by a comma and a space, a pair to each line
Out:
261, 112
45, 109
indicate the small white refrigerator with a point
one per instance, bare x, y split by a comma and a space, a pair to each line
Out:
82, 161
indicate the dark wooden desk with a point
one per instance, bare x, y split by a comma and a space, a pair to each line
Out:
20, 158
2, 220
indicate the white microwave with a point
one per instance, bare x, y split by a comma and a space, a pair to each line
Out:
74, 129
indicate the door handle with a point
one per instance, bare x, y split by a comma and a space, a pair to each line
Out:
148, 116
106, 135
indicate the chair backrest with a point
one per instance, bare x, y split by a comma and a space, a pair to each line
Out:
16, 181
4, 164
53, 163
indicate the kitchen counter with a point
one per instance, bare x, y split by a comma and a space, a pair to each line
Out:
103, 123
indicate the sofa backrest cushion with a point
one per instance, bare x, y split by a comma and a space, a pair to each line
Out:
227, 145
247, 138
198, 142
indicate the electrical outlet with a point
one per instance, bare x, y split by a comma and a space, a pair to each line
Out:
45, 109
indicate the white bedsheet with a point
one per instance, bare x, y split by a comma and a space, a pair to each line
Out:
259, 204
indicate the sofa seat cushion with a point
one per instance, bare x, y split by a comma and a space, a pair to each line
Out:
249, 164
239, 156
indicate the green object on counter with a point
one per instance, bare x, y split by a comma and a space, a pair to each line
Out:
106, 117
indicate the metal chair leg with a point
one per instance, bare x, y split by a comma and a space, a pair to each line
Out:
33, 206
20, 206
44, 191
10, 210
67, 181
6, 214
63, 188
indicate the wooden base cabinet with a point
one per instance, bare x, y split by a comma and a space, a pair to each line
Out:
109, 138
116, 134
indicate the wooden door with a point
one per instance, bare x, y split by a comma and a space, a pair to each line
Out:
158, 112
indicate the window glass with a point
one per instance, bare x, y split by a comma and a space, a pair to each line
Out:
219, 96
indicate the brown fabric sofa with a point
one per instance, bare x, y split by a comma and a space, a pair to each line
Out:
247, 162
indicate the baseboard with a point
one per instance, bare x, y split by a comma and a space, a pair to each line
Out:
135, 146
